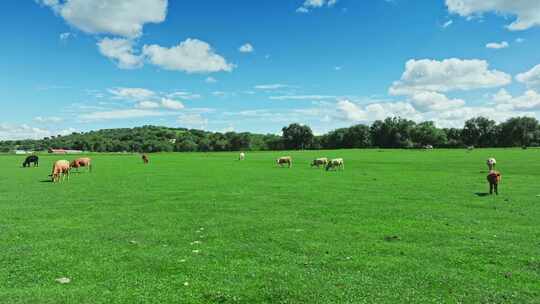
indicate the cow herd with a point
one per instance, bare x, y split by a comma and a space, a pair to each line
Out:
61, 168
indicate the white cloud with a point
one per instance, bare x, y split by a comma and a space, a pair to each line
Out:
120, 114
529, 101
246, 48
124, 18
311, 4
531, 78
275, 86
432, 101
447, 75
497, 45
210, 80
147, 105
24, 131
192, 121
121, 51
447, 23
184, 95
303, 97
356, 113
527, 12
191, 56
51, 119
66, 36
171, 104
132, 93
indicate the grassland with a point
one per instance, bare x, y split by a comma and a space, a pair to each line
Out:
394, 227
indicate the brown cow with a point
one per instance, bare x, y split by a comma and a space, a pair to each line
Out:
60, 171
82, 162
494, 178
284, 160
145, 159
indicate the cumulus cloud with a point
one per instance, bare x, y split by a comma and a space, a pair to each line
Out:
124, 18
527, 12
246, 48
531, 78
171, 104
497, 45
432, 101
190, 56
120, 114
121, 52
447, 75
529, 101
353, 112
147, 105
51, 119
132, 93
24, 131
311, 4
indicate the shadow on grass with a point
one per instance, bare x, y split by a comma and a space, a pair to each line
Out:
481, 194
46, 181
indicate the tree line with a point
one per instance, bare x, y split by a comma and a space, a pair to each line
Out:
388, 133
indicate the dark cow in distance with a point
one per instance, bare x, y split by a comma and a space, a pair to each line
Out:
145, 159
32, 159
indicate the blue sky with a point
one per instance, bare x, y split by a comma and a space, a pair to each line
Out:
246, 65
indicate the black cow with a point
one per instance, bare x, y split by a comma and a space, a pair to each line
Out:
32, 159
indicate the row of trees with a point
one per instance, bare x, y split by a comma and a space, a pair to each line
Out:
388, 133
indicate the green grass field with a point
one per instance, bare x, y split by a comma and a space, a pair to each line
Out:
394, 227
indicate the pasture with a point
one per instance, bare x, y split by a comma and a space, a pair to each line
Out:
395, 226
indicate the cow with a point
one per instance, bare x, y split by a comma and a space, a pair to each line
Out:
336, 164
318, 162
82, 162
32, 159
242, 156
494, 178
60, 171
428, 147
145, 159
284, 160
470, 148
491, 162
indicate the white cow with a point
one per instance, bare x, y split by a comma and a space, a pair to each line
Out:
336, 164
491, 162
242, 156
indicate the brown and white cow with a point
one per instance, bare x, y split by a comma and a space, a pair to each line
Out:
318, 162
60, 171
336, 164
284, 160
82, 162
494, 178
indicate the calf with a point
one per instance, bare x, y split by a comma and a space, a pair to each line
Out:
82, 162
32, 159
337, 164
494, 178
285, 160
60, 171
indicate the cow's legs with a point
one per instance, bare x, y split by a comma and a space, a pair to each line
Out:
496, 186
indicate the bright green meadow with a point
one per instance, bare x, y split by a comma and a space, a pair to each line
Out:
396, 226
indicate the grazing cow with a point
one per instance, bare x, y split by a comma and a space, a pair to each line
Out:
145, 159
32, 159
336, 164
60, 171
82, 162
491, 162
470, 148
428, 147
494, 178
318, 162
242, 156
284, 160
